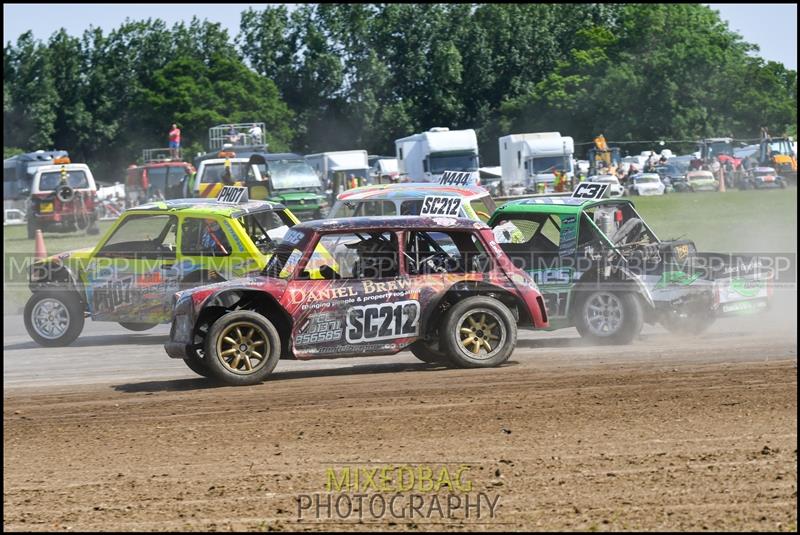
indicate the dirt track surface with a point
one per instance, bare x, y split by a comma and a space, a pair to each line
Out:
694, 433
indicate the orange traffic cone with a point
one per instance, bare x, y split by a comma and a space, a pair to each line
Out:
40, 251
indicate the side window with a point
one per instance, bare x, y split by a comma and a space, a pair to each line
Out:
446, 252
354, 256
516, 230
541, 233
143, 235
375, 208
551, 231
203, 237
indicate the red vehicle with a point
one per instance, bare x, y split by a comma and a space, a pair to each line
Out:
63, 198
441, 287
156, 180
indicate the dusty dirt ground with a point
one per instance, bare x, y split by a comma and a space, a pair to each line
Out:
663, 434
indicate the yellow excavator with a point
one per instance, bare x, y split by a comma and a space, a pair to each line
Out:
778, 153
602, 159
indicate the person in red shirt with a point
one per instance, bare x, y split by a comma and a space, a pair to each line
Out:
175, 140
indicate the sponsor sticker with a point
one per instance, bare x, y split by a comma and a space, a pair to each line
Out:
382, 321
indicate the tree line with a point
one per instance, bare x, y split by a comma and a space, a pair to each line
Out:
358, 76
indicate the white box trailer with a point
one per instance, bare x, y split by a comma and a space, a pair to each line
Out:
351, 162
532, 159
424, 157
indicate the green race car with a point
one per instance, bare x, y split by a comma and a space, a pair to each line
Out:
602, 270
151, 252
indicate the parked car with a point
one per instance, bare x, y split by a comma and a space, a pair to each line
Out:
673, 174
13, 216
701, 181
63, 198
762, 177
615, 189
451, 297
646, 184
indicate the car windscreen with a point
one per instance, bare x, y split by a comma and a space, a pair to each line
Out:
647, 180
548, 164
267, 228
213, 173
51, 180
439, 163
143, 235
288, 174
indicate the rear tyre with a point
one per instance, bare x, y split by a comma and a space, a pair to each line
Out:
687, 321
242, 348
195, 358
478, 332
197, 365
137, 327
608, 318
54, 318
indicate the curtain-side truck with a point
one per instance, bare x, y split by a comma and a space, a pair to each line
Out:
531, 160
424, 157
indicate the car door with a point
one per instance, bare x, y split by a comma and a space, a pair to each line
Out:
363, 306
127, 278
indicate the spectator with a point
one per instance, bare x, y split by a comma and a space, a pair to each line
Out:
233, 135
255, 134
227, 174
175, 141
715, 167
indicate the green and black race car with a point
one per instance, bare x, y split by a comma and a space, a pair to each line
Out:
602, 269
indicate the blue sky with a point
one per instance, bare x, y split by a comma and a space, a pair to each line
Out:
773, 27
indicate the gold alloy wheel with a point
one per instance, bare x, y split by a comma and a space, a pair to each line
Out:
482, 333
243, 347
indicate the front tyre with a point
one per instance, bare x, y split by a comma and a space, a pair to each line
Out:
54, 318
428, 352
609, 318
242, 348
478, 332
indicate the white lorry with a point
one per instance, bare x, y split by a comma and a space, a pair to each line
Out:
424, 157
349, 162
531, 160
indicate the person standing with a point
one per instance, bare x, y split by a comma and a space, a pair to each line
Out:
175, 141
255, 134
